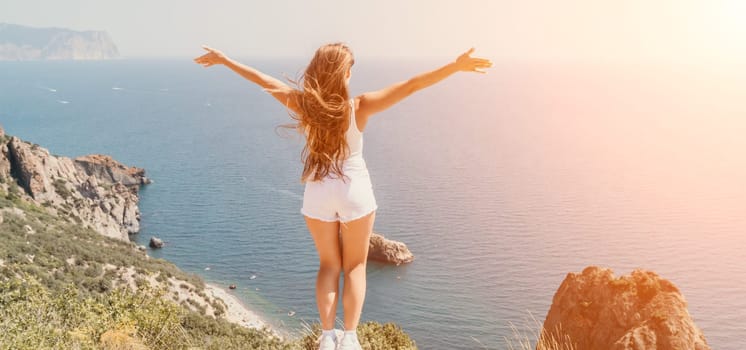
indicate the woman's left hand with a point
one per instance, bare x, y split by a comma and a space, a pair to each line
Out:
213, 56
466, 63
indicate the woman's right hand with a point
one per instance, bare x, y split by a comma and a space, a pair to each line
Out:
213, 56
466, 63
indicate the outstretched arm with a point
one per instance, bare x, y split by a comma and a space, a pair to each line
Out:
279, 90
377, 101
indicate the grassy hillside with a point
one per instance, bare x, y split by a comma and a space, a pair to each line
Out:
65, 286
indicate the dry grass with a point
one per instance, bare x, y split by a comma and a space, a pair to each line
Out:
533, 336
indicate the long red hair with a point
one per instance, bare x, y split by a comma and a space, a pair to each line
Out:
324, 111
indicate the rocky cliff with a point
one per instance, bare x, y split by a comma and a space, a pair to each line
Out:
595, 310
93, 190
19, 43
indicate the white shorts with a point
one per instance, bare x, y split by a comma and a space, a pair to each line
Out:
333, 200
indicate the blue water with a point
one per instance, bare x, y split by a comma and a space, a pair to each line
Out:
500, 184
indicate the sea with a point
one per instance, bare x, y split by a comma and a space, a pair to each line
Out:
500, 184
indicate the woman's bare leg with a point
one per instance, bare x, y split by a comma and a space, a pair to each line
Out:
355, 242
326, 237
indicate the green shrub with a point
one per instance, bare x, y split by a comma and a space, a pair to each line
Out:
61, 188
13, 188
141, 282
34, 318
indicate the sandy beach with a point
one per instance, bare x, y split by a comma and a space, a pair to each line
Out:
236, 311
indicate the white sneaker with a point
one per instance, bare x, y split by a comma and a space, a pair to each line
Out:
349, 343
327, 343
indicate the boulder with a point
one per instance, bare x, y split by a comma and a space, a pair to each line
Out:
156, 242
388, 251
595, 310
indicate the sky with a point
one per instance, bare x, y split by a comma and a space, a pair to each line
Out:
595, 30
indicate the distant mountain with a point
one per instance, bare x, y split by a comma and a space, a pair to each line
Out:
20, 43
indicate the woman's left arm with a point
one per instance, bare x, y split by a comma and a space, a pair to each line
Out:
279, 90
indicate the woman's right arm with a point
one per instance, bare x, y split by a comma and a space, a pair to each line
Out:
279, 90
377, 101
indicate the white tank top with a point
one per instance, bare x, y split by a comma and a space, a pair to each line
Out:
354, 138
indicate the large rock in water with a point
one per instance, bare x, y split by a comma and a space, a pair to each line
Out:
642, 311
156, 242
95, 190
388, 251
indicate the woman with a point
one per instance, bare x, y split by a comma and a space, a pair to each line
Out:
338, 192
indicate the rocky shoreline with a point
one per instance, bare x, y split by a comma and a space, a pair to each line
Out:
236, 310
100, 193
95, 190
